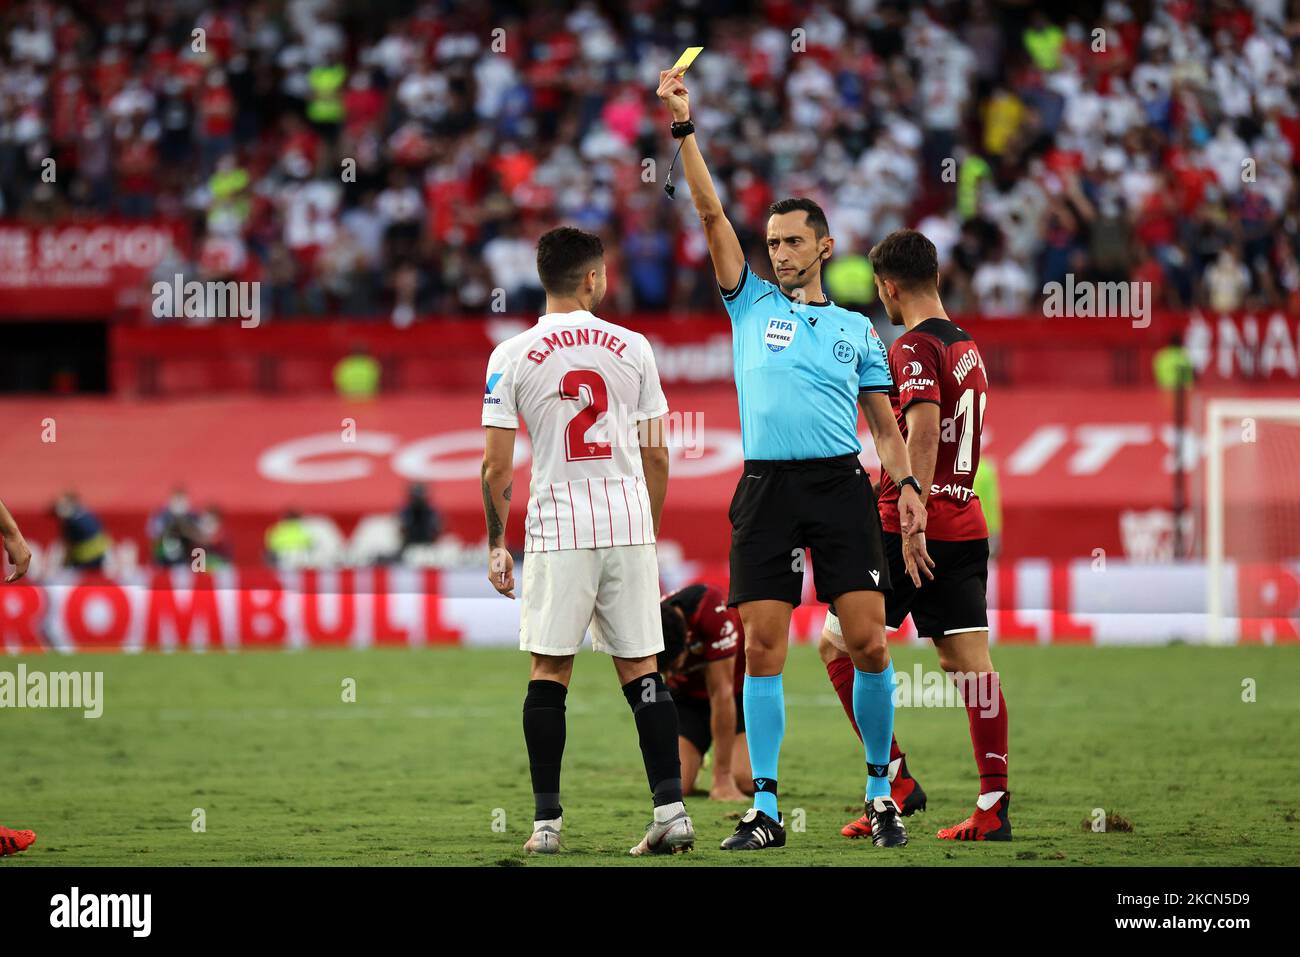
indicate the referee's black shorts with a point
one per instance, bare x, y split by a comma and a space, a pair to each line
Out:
826, 505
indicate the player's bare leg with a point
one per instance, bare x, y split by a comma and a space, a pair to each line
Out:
862, 621
671, 831
903, 788
691, 760
741, 773
544, 734
966, 655
767, 638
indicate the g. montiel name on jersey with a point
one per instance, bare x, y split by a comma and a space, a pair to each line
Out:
937, 361
581, 384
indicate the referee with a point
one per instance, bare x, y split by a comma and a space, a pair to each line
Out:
803, 365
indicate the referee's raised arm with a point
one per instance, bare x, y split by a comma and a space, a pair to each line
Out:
724, 246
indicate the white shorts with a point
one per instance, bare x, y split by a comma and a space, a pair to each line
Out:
613, 590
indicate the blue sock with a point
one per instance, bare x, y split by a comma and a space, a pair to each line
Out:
873, 709
765, 727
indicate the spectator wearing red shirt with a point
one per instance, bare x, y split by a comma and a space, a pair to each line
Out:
136, 170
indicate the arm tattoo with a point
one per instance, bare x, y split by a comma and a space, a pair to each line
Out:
508, 492
494, 525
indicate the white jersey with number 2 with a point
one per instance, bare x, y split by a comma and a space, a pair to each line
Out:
581, 384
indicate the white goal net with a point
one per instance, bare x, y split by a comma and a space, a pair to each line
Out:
1252, 519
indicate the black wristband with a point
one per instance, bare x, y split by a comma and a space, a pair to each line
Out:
682, 130
910, 480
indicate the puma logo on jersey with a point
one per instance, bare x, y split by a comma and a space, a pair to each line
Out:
910, 348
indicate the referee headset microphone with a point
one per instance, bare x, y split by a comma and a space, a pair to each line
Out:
821, 257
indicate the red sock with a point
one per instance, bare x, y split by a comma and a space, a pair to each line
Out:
988, 734
841, 675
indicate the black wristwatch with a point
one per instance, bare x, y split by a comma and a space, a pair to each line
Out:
910, 480
682, 130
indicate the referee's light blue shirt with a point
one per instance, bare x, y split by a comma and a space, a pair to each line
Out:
799, 369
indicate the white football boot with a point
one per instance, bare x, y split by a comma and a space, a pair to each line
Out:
545, 838
674, 835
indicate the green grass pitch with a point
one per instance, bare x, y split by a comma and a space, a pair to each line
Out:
428, 765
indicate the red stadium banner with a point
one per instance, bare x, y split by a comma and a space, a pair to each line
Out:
1080, 471
79, 270
1031, 602
293, 356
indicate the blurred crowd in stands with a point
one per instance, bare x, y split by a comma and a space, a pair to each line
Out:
397, 159
179, 535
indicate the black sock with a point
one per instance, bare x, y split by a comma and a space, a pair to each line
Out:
656, 724
544, 734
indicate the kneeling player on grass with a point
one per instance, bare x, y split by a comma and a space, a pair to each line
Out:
20, 556
593, 513
703, 646
939, 400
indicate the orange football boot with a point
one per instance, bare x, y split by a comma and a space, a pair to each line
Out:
991, 825
11, 842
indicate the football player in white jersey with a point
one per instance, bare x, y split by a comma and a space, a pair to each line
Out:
589, 393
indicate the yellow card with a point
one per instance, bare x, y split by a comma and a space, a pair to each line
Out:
687, 58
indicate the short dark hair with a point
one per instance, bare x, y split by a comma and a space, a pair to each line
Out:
907, 258
816, 218
674, 626
564, 256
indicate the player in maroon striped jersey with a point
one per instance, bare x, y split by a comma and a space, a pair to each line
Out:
939, 394
704, 651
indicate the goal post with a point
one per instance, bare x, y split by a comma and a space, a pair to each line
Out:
1252, 500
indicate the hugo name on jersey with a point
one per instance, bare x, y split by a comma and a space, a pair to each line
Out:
581, 385
938, 362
